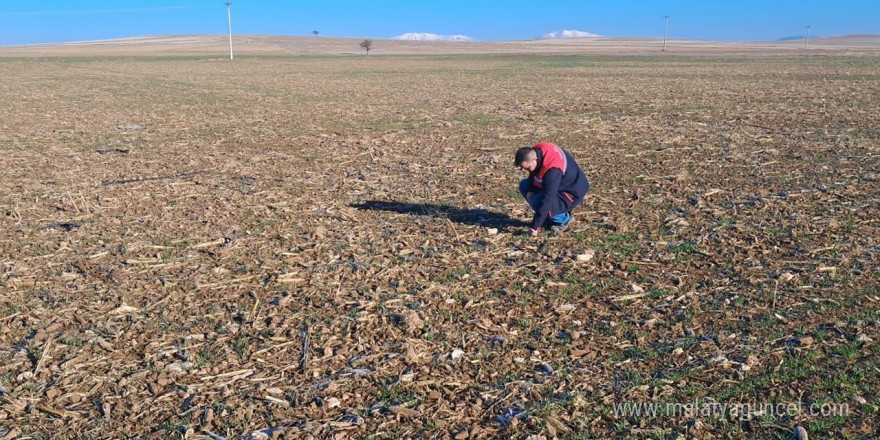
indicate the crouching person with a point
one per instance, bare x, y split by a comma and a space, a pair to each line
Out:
555, 186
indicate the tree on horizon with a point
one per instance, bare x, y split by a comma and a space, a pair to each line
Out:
316, 33
367, 45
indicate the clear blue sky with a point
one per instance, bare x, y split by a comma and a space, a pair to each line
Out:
49, 21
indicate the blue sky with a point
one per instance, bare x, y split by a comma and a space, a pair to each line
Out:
48, 21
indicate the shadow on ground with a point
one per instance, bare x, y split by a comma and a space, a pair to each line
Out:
475, 217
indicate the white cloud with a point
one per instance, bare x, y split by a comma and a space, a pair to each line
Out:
423, 36
567, 34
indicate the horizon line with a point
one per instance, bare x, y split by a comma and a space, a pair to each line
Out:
593, 37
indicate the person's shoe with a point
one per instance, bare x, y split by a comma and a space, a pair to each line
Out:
556, 229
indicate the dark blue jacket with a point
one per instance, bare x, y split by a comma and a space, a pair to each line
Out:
562, 191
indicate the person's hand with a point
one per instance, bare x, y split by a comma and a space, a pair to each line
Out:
534, 232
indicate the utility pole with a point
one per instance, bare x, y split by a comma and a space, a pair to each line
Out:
229, 23
807, 38
665, 30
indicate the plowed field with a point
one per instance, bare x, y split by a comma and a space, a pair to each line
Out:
334, 247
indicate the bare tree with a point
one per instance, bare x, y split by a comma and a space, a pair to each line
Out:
316, 33
367, 45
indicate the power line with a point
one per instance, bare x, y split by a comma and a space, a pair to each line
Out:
229, 23
807, 38
665, 30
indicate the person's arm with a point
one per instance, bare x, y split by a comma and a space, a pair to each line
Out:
552, 180
530, 190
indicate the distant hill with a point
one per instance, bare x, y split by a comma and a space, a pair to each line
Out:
216, 46
794, 37
859, 40
854, 40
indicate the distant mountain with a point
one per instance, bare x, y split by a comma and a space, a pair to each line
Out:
424, 36
566, 34
797, 37
856, 40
